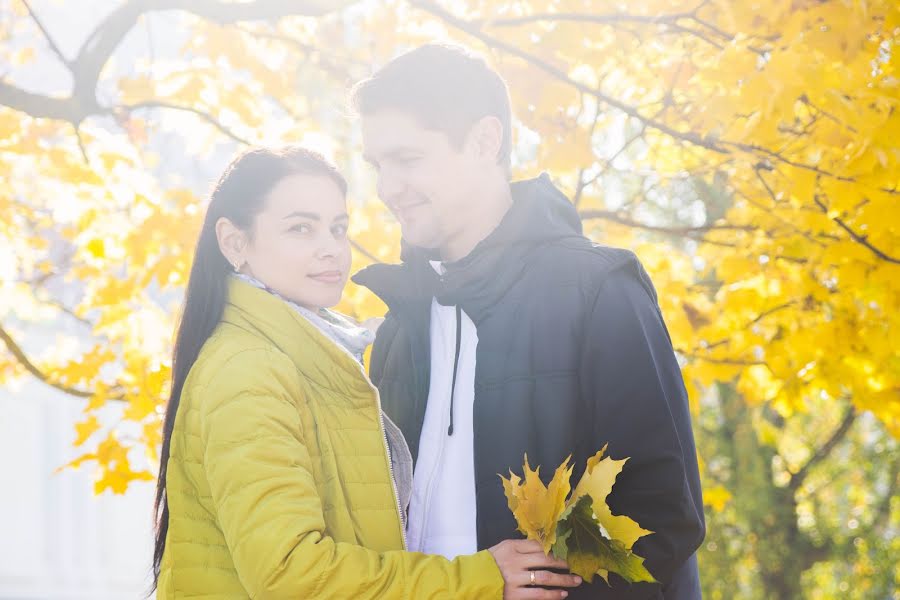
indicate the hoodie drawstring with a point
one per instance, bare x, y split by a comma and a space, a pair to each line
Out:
455, 365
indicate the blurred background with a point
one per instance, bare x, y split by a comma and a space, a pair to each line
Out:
748, 152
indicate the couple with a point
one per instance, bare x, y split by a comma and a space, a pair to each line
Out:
288, 472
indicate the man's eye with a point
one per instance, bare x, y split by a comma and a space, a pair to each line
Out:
301, 228
339, 230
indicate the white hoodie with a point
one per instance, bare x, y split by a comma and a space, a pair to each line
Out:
442, 509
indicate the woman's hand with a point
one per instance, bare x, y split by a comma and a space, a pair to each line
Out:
523, 565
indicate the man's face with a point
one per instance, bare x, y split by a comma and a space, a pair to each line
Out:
423, 179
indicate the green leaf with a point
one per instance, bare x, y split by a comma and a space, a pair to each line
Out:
589, 552
560, 548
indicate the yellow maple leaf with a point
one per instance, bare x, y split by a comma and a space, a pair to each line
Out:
536, 507
118, 478
86, 429
597, 482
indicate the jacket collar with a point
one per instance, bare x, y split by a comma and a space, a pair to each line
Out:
540, 214
314, 354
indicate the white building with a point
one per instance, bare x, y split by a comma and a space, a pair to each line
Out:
58, 541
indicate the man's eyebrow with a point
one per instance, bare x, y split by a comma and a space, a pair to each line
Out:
393, 152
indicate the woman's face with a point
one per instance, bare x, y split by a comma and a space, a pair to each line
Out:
298, 245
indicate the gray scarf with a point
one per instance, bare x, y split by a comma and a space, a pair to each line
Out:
338, 328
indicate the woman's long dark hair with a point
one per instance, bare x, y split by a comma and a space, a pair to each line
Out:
239, 196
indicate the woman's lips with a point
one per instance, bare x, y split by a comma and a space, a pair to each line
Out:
329, 277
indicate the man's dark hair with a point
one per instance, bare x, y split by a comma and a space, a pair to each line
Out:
445, 87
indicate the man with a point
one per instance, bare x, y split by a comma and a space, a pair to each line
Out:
509, 332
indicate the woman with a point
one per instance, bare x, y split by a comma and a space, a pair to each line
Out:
277, 479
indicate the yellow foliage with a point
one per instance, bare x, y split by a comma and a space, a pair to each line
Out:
757, 173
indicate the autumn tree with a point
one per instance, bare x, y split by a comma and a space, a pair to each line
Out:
746, 151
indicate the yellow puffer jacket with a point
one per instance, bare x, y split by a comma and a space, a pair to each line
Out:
279, 483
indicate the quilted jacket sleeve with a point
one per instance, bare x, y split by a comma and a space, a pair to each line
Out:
260, 476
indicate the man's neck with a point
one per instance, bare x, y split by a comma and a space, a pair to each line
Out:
482, 220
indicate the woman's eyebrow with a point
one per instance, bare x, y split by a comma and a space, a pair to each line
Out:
305, 215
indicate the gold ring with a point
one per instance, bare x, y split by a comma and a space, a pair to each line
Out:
532, 578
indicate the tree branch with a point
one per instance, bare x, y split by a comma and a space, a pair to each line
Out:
670, 21
475, 31
20, 356
724, 361
859, 238
46, 33
200, 113
883, 509
615, 217
109, 33
326, 61
359, 248
822, 453
720, 146
41, 106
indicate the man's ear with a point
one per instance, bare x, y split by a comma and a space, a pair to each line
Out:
486, 138
232, 242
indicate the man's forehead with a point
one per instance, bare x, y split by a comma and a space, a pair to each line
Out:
391, 131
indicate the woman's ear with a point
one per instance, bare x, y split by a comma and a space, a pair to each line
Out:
232, 242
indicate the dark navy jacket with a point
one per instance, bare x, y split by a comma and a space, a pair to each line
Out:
572, 354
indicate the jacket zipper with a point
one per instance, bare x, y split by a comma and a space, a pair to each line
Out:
384, 441
387, 453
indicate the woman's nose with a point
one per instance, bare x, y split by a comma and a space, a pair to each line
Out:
329, 247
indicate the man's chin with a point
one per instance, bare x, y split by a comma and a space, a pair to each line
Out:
421, 239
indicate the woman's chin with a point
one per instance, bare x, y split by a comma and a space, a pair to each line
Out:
317, 301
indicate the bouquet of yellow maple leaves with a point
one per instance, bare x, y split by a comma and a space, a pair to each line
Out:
578, 528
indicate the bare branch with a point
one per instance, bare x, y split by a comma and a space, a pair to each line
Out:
58, 304
47, 35
771, 311
475, 31
579, 188
883, 509
29, 366
41, 106
81, 146
771, 213
857, 237
721, 146
326, 60
825, 449
669, 21
607, 19
723, 361
200, 113
359, 248
615, 217
109, 33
